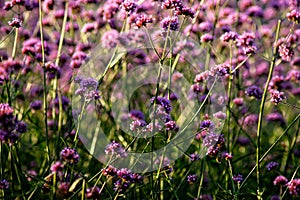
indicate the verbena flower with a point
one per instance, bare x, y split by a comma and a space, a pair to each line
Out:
69, 155
229, 36
92, 193
294, 187
129, 6
272, 165
115, 148
192, 178
254, 91
280, 180
238, 178
15, 22
277, 96
4, 184
171, 23
294, 16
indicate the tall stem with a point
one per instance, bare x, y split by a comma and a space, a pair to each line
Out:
261, 112
44, 80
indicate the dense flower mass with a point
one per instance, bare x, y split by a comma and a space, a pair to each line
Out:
157, 99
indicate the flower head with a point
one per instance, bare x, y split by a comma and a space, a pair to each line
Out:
294, 186
69, 155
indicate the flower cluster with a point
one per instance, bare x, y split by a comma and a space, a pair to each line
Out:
115, 149
294, 186
88, 88
69, 155
192, 178
122, 178
10, 127
272, 165
237, 178
213, 142
4, 184
294, 16
280, 180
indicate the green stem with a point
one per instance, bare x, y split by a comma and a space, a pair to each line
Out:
79, 122
15, 44
201, 178
270, 148
44, 80
261, 112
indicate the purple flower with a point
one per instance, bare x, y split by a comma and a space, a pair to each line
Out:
275, 197
111, 171
170, 22
272, 165
192, 178
238, 101
8, 5
194, 157
294, 16
92, 193
5, 110
78, 59
171, 125
52, 70
115, 148
275, 117
227, 156
285, 50
294, 186
249, 50
254, 91
15, 22
4, 184
21, 127
136, 125
207, 124
238, 178
206, 26
129, 6
165, 103
63, 189
255, 11
213, 142
142, 20
221, 70
278, 83
246, 39
89, 27
220, 115
57, 167
69, 155
137, 115
293, 75
277, 96
205, 38
36, 105
124, 178
280, 180
168, 4
229, 36
109, 39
